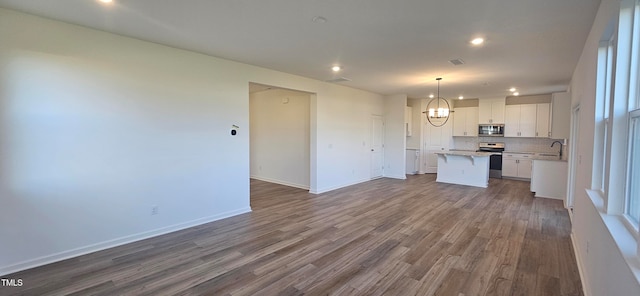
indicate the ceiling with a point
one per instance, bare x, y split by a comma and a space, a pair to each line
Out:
387, 47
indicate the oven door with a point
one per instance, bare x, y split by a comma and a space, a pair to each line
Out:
495, 166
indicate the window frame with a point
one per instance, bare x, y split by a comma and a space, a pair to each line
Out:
632, 222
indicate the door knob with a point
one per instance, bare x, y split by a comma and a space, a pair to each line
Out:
371, 149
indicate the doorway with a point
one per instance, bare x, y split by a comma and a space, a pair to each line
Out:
377, 146
280, 135
435, 139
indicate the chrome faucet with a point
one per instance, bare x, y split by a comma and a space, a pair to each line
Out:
560, 154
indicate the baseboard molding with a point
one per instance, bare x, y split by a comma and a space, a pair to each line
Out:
399, 177
285, 183
44, 260
327, 189
585, 284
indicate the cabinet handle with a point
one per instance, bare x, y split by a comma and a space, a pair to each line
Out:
536, 134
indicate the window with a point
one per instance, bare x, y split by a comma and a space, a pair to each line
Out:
604, 91
616, 163
632, 207
632, 194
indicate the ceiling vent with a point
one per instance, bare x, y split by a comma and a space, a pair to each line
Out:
339, 79
456, 62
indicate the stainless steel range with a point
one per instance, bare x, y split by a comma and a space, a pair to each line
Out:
495, 160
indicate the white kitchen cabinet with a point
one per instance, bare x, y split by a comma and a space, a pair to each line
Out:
520, 120
543, 120
549, 179
491, 111
517, 165
408, 120
465, 122
560, 115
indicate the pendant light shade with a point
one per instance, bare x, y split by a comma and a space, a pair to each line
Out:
438, 109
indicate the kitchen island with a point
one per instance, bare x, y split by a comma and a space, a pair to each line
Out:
464, 168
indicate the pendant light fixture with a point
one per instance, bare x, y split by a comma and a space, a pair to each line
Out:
438, 109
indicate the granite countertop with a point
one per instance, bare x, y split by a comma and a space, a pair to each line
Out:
539, 155
465, 153
519, 152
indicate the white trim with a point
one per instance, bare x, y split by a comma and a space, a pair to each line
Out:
573, 161
400, 177
586, 287
285, 183
4, 270
634, 116
323, 190
624, 239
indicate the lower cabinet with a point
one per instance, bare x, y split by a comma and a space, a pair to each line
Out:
516, 165
549, 179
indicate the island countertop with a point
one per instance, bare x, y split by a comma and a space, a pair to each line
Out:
467, 153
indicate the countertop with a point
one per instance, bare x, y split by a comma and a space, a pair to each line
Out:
465, 153
539, 155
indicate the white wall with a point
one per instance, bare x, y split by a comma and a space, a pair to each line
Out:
416, 118
343, 137
96, 128
602, 264
395, 141
279, 137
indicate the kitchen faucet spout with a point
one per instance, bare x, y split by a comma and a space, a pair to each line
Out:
560, 154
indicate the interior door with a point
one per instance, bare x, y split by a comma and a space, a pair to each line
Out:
436, 139
377, 146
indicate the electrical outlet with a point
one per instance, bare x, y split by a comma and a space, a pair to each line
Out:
587, 247
154, 210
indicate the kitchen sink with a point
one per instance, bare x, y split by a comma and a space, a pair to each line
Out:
547, 156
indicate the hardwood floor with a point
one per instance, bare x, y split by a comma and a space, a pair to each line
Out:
384, 237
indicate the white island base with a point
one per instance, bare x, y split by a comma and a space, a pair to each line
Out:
464, 168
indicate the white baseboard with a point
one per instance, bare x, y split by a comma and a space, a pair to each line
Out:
4, 270
327, 189
285, 183
400, 177
585, 284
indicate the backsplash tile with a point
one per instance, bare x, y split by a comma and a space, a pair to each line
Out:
511, 144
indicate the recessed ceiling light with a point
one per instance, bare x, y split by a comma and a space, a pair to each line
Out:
460, 97
431, 96
336, 68
106, 1
516, 93
512, 89
319, 19
477, 41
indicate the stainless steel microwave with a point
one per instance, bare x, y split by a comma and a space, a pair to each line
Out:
491, 130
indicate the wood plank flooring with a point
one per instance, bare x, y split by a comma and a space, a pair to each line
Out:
384, 237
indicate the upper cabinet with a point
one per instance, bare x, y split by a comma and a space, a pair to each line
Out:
465, 122
491, 111
527, 120
520, 120
560, 115
543, 118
